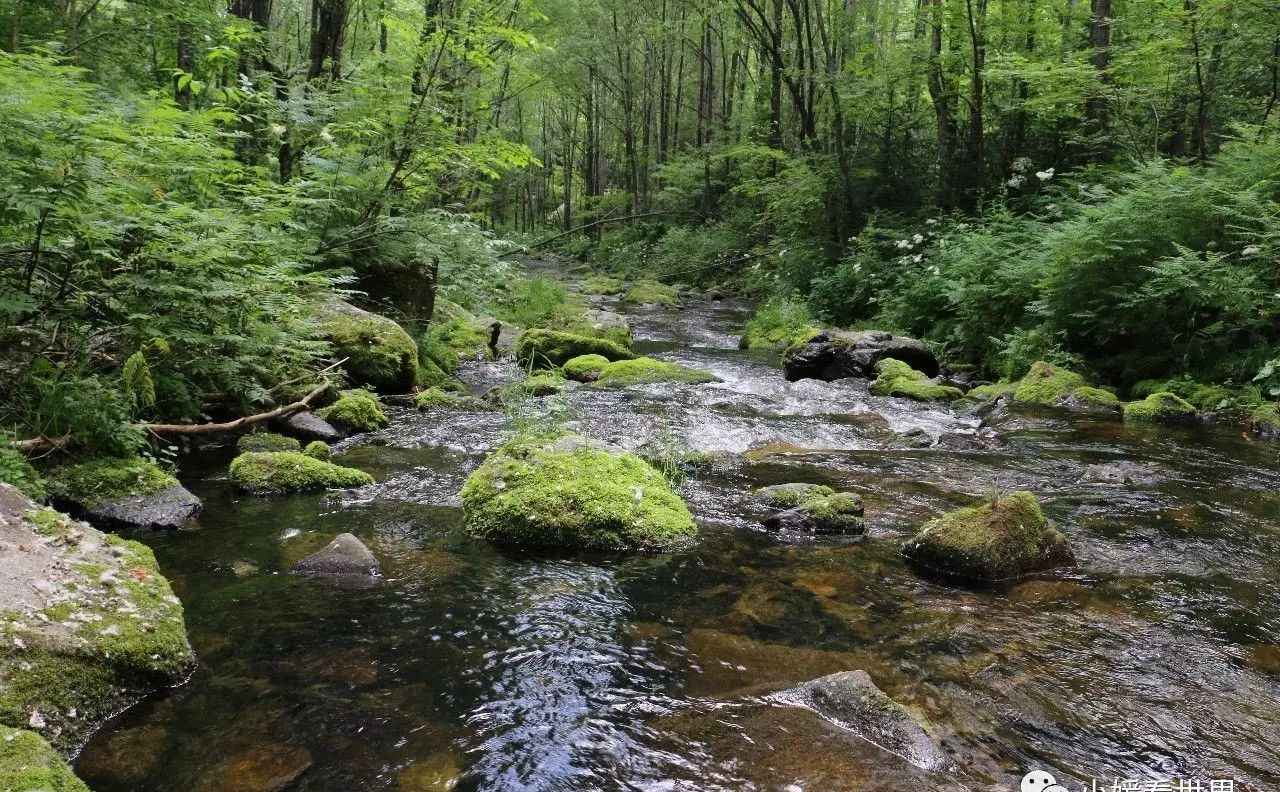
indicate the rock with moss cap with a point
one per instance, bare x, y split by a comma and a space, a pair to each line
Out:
378, 352
262, 473
545, 383
786, 496
1050, 385
318, 449
608, 325
1045, 384
356, 411
266, 441
29, 764
122, 492
895, 378
437, 399
649, 292
997, 540
837, 354
89, 624
813, 509
573, 493
603, 284
647, 371
552, 348
585, 368
1163, 407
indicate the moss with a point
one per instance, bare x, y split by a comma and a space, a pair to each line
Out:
838, 512
542, 384
437, 399
1047, 384
603, 284
585, 368
358, 410
778, 324
287, 471
552, 348
16, 470
991, 392
1095, 397
895, 378
618, 333
454, 334
559, 495
108, 479
650, 292
1162, 407
996, 540
29, 764
788, 496
378, 352
1202, 396
1265, 418
318, 449
430, 375
266, 441
645, 370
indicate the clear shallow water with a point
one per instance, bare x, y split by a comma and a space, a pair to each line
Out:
476, 669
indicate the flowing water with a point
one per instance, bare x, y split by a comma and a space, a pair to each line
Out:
471, 668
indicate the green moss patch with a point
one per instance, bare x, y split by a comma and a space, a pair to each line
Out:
266, 441
287, 471
993, 541
895, 378
29, 764
585, 368
646, 370
1047, 384
1095, 397
573, 495
650, 292
787, 496
318, 449
1163, 407
108, 479
356, 410
553, 348
16, 470
542, 384
379, 353
437, 399
778, 324
603, 284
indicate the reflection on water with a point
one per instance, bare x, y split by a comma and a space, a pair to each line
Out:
474, 669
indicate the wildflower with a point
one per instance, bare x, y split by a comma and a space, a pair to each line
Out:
917, 258
917, 239
1045, 175
1251, 251
903, 244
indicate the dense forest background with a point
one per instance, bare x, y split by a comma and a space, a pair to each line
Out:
184, 182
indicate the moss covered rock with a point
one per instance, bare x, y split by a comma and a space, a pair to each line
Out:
997, 540
603, 324
122, 492
545, 383
786, 496
585, 368
1046, 384
88, 625
648, 292
815, 509
837, 354
266, 441
1161, 407
318, 449
356, 411
603, 284
895, 378
552, 348
646, 370
16, 470
262, 473
29, 764
573, 494
437, 399
379, 353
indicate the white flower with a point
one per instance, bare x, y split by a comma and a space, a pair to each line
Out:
1251, 251
1045, 175
1016, 181
931, 221
917, 239
1022, 164
279, 129
917, 258
903, 244
326, 136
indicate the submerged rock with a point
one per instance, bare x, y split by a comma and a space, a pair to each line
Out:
307, 425
837, 354
90, 625
378, 352
356, 410
1163, 407
552, 348
998, 540
29, 764
786, 496
345, 555
573, 495
852, 701
437, 399
122, 493
265, 767
265, 472
896, 378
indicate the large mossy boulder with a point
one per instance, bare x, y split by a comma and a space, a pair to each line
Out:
648, 371
89, 624
838, 354
1163, 407
267, 441
355, 410
122, 492
1050, 385
263, 473
553, 348
585, 368
998, 540
29, 764
379, 353
649, 292
896, 378
576, 494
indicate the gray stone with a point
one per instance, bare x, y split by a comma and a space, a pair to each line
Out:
852, 701
166, 509
308, 426
837, 354
345, 555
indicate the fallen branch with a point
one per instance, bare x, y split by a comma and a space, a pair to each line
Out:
43, 444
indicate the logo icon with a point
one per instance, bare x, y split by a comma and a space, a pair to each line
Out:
1040, 781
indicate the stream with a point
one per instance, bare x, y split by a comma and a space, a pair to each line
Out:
475, 668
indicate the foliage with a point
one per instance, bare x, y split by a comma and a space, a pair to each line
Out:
17, 471
262, 473
777, 324
107, 479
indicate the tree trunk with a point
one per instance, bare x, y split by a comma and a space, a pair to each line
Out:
1096, 108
